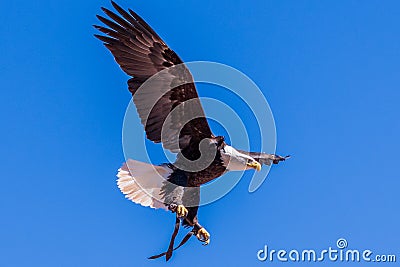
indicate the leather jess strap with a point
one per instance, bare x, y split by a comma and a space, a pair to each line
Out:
171, 248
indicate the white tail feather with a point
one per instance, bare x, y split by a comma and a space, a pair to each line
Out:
141, 182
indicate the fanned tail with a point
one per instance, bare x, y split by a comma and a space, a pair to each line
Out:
141, 182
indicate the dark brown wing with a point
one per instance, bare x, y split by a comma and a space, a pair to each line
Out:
160, 81
265, 158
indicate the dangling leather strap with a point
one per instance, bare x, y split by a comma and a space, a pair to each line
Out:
170, 249
171, 243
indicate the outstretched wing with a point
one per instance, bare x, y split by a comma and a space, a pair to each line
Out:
167, 103
264, 158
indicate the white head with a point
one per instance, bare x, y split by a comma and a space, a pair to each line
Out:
236, 161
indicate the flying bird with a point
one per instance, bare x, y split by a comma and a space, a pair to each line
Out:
165, 96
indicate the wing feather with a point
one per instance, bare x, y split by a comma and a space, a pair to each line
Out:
141, 54
265, 158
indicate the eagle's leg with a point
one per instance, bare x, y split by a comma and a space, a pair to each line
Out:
201, 234
180, 210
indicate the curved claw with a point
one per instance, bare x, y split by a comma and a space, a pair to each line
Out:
203, 236
181, 211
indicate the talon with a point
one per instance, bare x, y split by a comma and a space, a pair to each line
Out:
203, 236
181, 211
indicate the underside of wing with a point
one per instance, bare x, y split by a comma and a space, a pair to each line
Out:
162, 87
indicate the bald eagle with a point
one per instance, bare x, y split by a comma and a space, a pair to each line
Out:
171, 112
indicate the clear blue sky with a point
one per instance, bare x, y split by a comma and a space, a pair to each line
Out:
330, 71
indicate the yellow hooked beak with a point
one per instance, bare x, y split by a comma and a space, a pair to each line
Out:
254, 165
